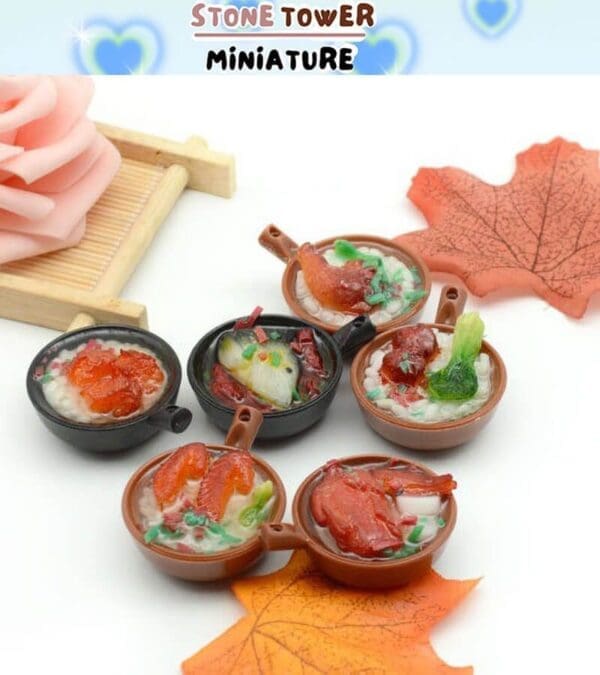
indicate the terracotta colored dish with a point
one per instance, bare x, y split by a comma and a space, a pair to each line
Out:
353, 571
121, 433
435, 436
278, 243
203, 567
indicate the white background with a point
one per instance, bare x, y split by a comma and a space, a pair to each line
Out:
319, 157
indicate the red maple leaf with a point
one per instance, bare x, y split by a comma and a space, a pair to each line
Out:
540, 231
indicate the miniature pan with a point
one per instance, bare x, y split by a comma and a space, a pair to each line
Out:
207, 567
278, 243
440, 435
350, 570
281, 424
130, 431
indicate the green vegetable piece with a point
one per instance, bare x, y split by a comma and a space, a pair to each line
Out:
260, 496
151, 534
295, 394
47, 377
374, 393
441, 522
377, 299
169, 534
274, 335
193, 520
405, 551
219, 530
275, 359
458, 380
415, 533
398, 276
414, 296
249, 351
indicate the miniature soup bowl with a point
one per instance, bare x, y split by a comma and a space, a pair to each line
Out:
406, 307
69, 420
295, 419
435, 435
205, 566
350, 569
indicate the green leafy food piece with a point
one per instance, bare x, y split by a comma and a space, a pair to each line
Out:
374, 394
220, 531
260, 496
165, 532
380, 283
403, 552
151, 534
414, 296
415, 534
193, 519
274, 335
441, 522
249, 351
296, 394
275, 358
458, 380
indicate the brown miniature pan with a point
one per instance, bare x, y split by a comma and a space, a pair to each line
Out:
280, 245
440, 435
353, 571
196, 566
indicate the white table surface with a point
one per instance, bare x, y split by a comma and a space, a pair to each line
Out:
319, 157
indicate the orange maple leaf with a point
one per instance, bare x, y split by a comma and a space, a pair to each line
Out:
541, 231
300, 622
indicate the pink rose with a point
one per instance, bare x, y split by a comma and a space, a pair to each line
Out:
54, 165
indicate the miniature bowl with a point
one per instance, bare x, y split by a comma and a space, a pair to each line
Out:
206, 567
281, 424
129, 432
440, 435
347, 570
278, 243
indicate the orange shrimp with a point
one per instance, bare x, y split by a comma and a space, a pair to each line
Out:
189, 462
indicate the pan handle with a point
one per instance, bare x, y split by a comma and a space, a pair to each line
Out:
451, 305
281, 537
354, 334
278, 243
172, 418
244, 427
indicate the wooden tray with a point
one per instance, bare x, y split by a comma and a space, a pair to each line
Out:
80, 286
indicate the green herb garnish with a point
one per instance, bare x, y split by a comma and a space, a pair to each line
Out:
249, 351
415, 533
151, 534
260, 496
219, 530
374, 393
193, 519
275, 359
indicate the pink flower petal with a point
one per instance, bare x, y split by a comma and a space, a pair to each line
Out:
26, 204
37, 103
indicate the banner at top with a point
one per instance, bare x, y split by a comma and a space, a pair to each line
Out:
381, 37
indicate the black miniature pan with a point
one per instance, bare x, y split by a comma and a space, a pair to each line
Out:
281, 424
118, 435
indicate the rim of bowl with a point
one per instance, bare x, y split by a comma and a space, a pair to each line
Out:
171, 389
288, 280
359, 364
234, 552
430, 549
200, 349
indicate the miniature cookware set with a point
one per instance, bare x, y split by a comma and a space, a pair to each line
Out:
325, 343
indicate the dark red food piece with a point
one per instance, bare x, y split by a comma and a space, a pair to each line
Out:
115, 394
309, 386
141, 367
231, 392
305, 345
189, 462
248, 321
412, 481
352, 505
413, 348
232, 472
339, 288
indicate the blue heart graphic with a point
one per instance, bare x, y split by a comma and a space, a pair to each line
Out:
492, 12
118, 58
375, 59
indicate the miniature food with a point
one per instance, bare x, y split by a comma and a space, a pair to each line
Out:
344, 280
427, 376
380, 510
103, 381
204, 501
269, 368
